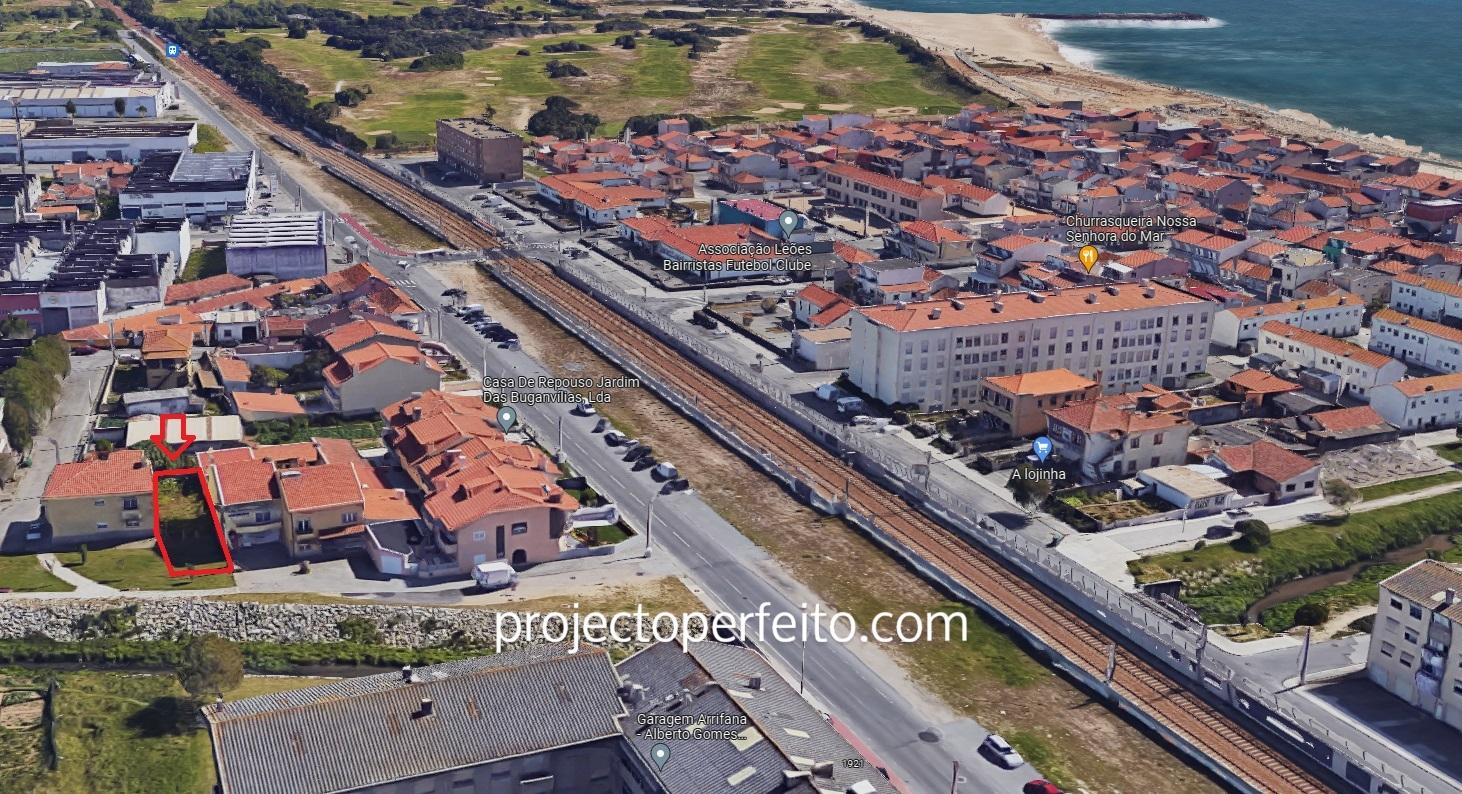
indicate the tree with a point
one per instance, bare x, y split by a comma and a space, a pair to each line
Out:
15, 327
387, 141
1253, 535
1029, 490
626, 41
267, 377
488, 112
1311, 614
103, 445
210, 665
298, 29
119, 105
1340, 493
70, 108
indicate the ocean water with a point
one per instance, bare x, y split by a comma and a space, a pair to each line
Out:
1389, 68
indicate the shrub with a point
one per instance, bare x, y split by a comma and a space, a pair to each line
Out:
1312, 614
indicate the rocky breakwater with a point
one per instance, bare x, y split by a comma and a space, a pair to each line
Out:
172, 618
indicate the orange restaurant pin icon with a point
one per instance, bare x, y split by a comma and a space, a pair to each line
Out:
1088, 256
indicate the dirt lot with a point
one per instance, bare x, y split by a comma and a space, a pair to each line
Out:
1074, 740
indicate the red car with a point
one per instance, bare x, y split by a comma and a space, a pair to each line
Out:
83, 350
1040, 787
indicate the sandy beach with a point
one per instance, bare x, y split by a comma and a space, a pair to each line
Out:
1014, 57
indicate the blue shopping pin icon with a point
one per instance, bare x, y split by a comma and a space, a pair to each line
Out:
1042, 447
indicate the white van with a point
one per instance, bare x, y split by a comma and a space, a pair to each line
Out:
494, 575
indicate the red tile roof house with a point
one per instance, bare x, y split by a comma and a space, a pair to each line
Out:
486, 498
103, 498
1266, 467
316, 497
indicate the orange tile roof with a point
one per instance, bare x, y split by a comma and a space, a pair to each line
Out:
1329, 344
882, 181
1426, 327
320, 486
1041, 382
388, 504
1415, 387
818, 296
168, 342
1341, 420
933, 232
1290, 307
955, 187
240, 481
231, 369
213, 285
351, 277
1113, 414
124, 472
1261, 382
263, 402
344, 337
994, 309
1431, 284
1265, 458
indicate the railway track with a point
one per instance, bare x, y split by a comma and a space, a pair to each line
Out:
1247, 757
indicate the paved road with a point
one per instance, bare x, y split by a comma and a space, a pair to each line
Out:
60, 441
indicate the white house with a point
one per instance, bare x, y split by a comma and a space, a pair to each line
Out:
1358, 369
1421, 403
1337, 315
1416, 341
1427, 298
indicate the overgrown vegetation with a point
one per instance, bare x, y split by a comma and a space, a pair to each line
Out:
32, 387
1337, 599
559, 117
1221, 581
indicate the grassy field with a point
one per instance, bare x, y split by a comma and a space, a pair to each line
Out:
210, 139
127, 733
137, 569
1360, 591
204, 262
782, 65
20, 60
24, 574
193, 9
1394, 487
816, 66
1221, 581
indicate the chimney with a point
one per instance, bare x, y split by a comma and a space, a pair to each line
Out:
823, 769
934, 313
426, 708
1450, 596
415, 412
997, 306
753, 682
956, 304
407, 675
1037, 297
1111, 289
1091, 297
1149, 291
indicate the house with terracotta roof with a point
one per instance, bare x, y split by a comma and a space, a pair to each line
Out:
106, 497
213, 286
1436, 346
926, 241
1427, 298
315, 497
485, 498
968, 197
1115, 436
1352, 369
1341, 428
1254, 388
1265, 467
371, 376
167, 357
1019, 402
266, 406
1418, 404
819, 307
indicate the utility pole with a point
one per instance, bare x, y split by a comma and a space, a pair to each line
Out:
14, 101
650, 522
802, 670
1305, 653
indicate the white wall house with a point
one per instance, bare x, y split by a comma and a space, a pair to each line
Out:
1421, 403
1416, 341
1336, 315
1359, 370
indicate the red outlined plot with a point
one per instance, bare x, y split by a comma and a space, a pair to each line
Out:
228, 560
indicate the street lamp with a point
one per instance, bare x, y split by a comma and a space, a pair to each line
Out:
650, 520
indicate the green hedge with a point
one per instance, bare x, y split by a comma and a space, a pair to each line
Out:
1221, 582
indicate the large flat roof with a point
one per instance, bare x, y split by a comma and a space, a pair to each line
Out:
272, 231
972, 310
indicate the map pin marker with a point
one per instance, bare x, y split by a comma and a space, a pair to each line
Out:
660, 754
507, 418
1042, 447
788, 220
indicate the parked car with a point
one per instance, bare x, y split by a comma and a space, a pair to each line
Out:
1218, 531
1040, 787
645, 462
1000, 751
637, 452
585, 408
629, 443
524, 222
614, 438
665, 471
494, 575
83, 350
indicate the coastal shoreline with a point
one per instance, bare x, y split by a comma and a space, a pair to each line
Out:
1021, 52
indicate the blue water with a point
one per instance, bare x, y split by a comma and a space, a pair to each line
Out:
1389, 68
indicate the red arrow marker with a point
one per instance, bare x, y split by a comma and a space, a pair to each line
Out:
160, 437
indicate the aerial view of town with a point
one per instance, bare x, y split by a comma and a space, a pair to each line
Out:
729, 397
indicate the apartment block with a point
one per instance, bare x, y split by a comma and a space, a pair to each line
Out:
890, 197
1421, 403
1355, 370
1336, 315
1413, 654
477, 147
1427, 298
935, 354
1416, 341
